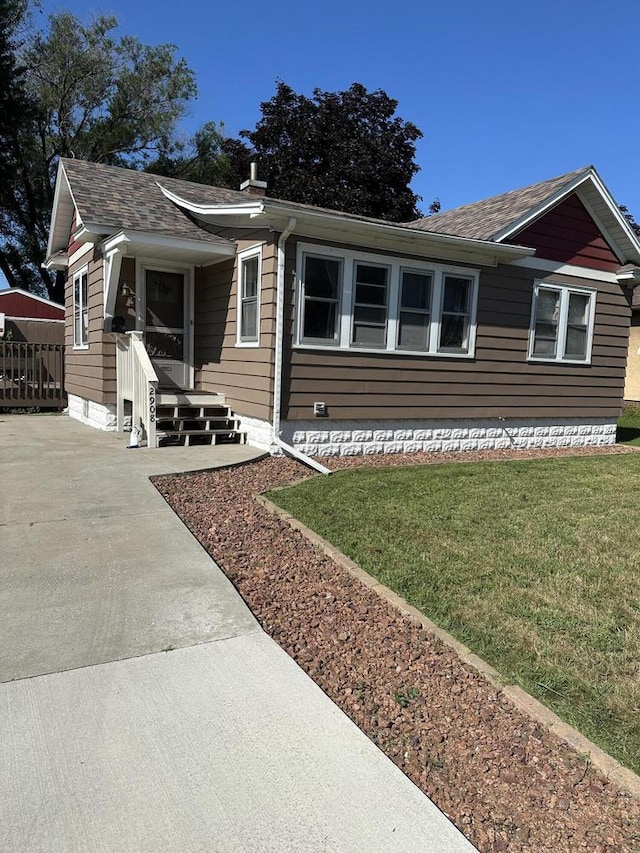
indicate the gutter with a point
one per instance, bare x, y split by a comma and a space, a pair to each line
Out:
278, 356
275, 211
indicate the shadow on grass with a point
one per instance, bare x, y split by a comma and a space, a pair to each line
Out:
628, 435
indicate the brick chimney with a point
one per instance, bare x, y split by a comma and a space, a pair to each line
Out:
253, 186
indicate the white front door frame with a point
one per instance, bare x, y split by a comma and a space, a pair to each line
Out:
144, 264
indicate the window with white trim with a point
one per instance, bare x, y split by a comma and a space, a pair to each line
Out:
561, 323
80, 309
249, 269
357, 300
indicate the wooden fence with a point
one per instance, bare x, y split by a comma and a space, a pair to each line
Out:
31, 375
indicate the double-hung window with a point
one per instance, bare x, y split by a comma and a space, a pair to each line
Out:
561, 323
455, 316
249, 297
370, 300
80, 310
414, 321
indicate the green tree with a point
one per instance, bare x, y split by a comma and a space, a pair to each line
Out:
15, 108
630, 219
344, 150
208, 157
95, 97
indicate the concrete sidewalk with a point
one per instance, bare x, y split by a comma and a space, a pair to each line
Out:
142, 708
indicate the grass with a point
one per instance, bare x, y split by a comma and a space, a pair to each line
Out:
533, 564
629, 425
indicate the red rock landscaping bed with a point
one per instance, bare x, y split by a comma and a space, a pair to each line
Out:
508, 784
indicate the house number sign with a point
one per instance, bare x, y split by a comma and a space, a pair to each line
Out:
152, 403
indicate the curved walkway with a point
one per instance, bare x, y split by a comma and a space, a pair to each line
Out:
141, 706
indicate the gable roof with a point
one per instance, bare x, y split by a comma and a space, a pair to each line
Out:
110, 199
502, 217
487, 218
17, 302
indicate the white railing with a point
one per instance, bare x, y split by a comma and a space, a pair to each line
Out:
137, 382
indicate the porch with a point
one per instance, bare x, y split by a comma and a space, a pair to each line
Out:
160, 416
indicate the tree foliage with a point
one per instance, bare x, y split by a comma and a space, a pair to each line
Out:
343, 150
208, 157
630, 219
92, 96
15, 112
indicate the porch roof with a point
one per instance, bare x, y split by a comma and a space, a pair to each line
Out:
108, 200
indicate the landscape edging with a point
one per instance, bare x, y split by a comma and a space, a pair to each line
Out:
602, 761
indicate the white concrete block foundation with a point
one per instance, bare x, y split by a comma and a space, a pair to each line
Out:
355, 438
97, 415
258, 431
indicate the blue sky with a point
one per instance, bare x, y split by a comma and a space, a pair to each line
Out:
505, 93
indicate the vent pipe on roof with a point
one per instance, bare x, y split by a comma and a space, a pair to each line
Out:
253, 186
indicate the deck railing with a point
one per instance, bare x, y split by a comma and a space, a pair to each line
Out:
31, 375
137, 383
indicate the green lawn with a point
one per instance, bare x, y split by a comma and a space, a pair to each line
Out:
533, 564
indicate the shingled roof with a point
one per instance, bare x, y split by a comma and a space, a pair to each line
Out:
482, 220
130, 200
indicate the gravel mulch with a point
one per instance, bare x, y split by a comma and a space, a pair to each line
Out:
508, 784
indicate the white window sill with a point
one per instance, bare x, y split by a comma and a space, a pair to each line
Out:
80, 347
537, 360
387, 352
247, 344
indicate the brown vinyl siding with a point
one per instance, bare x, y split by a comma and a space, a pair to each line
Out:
244, 374
497, 382
568, 234
90, 373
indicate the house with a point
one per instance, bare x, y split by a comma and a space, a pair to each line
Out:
27, 317
632, 382
31, 351
211, 312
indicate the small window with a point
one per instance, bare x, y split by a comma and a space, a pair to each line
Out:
562, 324
456, 314
415, 310
249, 298
321, 287
370, 306
80, 310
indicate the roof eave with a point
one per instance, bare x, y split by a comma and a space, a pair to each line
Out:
59, 230
252, 207
56, 261
579, 184
351, 228
129, 241
629, 274
275, 214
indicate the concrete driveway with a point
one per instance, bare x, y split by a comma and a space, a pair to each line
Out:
142, 708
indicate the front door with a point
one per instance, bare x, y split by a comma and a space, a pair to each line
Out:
166, 326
